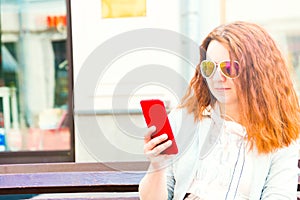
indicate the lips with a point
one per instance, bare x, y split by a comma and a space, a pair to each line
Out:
221, 89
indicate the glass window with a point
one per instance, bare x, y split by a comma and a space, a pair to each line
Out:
35, 82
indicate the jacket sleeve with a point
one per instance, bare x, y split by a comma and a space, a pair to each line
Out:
170, 182
282, 180
173, 117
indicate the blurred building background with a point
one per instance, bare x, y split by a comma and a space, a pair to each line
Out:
192, 18
33, 49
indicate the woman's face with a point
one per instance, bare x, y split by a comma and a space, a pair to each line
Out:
222, 88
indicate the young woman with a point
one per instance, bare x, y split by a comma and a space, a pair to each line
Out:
236, 127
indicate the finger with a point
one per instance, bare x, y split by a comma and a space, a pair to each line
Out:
160, 148
149, 132
154, 142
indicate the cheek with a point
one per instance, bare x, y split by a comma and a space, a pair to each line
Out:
209, 84
233, 86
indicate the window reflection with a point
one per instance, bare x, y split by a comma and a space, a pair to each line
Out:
33, 76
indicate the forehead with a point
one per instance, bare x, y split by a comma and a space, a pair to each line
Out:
217, 52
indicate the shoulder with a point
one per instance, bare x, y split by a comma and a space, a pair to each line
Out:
282, 159
283, 169
291, 152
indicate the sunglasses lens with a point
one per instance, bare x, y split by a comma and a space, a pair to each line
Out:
230, 69
207, 68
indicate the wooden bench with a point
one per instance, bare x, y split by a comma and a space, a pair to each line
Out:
113, 179
116, 178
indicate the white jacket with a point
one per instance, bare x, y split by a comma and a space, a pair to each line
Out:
274, 176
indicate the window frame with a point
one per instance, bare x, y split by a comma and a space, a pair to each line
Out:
40, 156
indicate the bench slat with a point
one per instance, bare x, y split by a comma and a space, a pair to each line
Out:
71, 177
38, 183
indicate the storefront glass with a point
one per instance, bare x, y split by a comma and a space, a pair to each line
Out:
34, 80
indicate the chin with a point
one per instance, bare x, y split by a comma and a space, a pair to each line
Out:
226, 101
222, 100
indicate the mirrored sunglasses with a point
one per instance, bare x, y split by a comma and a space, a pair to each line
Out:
230, 69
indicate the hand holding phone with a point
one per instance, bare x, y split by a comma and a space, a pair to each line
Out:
155, 114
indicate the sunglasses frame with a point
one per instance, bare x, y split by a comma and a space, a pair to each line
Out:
216, 65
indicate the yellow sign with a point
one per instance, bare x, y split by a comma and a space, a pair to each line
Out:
123, 8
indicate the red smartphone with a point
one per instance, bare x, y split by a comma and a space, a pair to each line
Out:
155, 114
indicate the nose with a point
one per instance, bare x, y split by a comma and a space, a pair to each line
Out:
218, 76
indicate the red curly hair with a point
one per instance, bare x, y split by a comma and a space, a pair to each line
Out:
268, 103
